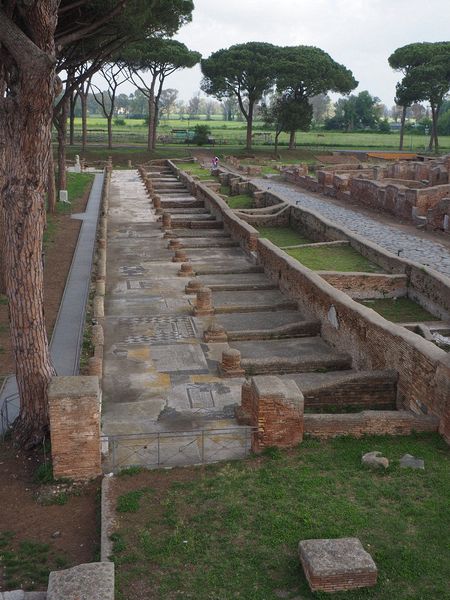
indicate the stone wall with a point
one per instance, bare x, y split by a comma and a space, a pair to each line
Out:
438, 217
373, 342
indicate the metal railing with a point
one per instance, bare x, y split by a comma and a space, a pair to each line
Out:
176, 448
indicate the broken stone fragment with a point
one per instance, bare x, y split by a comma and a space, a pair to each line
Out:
408, 461
374, 460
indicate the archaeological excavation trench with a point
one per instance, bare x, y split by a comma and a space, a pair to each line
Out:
202, 333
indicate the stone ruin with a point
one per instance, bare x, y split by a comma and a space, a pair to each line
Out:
418, 191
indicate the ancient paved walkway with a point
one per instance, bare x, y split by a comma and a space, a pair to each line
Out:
424, 251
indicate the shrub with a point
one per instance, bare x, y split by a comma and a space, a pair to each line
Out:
119, 122
201, 134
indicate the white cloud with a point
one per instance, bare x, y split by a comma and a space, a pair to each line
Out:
360, 34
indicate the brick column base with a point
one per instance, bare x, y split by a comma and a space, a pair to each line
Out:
74, 411
275, 407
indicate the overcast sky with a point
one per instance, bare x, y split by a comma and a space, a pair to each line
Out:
360, 34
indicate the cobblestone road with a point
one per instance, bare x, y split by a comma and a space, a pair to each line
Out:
415, 248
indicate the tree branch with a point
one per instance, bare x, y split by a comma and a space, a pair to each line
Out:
64, 40
19, 45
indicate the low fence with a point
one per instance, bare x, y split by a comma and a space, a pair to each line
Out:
176, 448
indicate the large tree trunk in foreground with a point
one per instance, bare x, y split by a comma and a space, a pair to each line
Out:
25, 129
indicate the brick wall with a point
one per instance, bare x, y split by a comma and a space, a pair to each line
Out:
367, 285
275, 407
382, 422
373, 342
74, 411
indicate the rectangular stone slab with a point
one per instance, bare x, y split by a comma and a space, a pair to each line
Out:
332, 565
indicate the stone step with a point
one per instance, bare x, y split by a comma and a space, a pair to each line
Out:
172, 192
295, 330
204, 233
187, 211
182, 203
347, 390
21, 595
207, 243
196, 224
249, 301
207, 269
290, 356
192, 216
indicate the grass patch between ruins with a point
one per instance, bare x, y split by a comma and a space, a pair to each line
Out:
231, 530
333, 258
399, 310
240, 201
283, 236
195, 169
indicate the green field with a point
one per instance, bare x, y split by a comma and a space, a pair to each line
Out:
231, 530
233, 133
399, 310
283, 236
333, 258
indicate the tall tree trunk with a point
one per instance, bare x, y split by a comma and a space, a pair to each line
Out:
151, 115
25, 126
277, 135
51, 188
249, 118
83, 98
292, 140
61, 128
73, 101
434, 133
109, 121
402, 127
155, 127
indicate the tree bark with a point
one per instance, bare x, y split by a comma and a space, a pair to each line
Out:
61, 128
151, 114
155, 127
249, 118
292, 140
83, 98
402, 127
25, 126
73, 101
109, 121
51, 188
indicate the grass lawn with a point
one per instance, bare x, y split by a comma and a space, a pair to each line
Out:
231, 530
240, 201
233, 133
283, 236
401, 310
77, 184
195, 169
333, 258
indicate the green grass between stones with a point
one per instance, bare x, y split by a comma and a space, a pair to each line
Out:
400, 310
240, 201
195, 169
333, 258
231, 530
283, 236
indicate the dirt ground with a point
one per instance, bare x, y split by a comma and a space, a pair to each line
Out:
70, 528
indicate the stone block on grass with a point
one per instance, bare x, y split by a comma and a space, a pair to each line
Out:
334, 565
